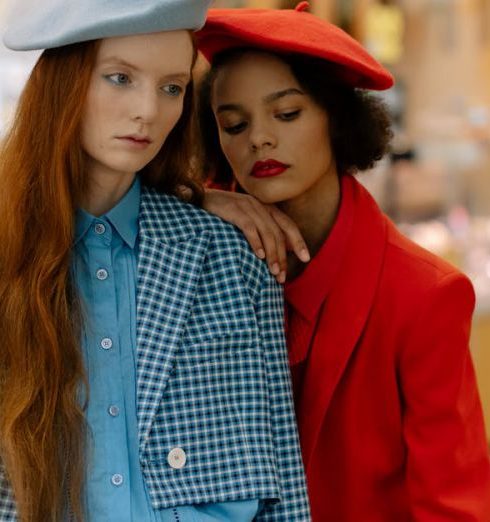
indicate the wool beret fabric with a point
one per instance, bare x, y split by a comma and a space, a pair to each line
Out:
43, 24
292, 31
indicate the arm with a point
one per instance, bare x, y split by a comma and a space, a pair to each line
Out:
293, 505
448, 474
269, 231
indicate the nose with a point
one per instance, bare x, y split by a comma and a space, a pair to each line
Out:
261, 136
145, 105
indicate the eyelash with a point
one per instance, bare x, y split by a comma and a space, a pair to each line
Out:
289, 116
235, 129
122, 79
284, 116
180, 90
111, 78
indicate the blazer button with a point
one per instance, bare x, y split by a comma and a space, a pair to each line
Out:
177, 458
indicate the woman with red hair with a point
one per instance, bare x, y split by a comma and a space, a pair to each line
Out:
143, 369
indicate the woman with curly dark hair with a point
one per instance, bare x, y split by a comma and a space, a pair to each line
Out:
378, 328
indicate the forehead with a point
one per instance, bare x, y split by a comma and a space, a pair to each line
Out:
165, 50
252, 75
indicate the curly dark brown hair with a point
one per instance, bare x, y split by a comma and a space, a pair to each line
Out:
359, 123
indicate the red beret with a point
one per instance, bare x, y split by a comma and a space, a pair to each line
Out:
292, 31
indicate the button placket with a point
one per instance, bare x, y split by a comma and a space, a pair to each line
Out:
109, 408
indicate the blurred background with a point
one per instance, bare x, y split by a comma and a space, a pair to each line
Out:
435, 183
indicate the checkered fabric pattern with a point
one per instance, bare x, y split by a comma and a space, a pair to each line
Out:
8, 512
212, 369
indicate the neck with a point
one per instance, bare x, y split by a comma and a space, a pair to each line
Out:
105, 191
314, 212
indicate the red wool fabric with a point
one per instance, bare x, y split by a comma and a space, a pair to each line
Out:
292, 31
390, 420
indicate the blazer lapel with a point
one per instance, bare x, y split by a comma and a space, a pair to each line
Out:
170, 260
342, 318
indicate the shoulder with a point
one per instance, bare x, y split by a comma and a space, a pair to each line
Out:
407, 271
166, 216
418, 276
169, 212
406, 255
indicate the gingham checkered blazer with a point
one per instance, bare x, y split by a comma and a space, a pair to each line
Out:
212, 369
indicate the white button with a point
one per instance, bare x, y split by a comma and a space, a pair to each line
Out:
99, 228
113, 411
102, 274
117, 479
106, 343
177, 458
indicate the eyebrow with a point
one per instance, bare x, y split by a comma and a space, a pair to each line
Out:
280, 94
119, 61
267, 99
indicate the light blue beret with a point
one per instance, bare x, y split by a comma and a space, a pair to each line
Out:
43, 24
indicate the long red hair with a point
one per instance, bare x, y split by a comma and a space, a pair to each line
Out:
42, 177
42, 429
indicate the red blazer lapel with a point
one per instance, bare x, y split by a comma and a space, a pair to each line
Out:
343, 317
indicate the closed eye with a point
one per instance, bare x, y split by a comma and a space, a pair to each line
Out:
235, 129
288, 116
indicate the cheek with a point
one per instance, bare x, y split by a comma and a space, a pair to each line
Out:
315, 141
234, 151
170, 115
96, 114
93, 132
88, 131
325, 153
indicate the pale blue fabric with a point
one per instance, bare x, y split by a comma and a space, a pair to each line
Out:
110, 243
212, 376
35, 24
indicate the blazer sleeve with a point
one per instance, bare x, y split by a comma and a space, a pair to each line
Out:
293, 504
448, 473
8, 512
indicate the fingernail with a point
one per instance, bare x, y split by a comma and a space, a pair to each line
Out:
304, 255
275, 269
281, 278
260, 253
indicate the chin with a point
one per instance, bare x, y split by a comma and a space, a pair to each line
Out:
268, 200
271, 196
132, 161
127, 167
271, 191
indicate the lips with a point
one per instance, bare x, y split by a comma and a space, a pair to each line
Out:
136, 140
268, 169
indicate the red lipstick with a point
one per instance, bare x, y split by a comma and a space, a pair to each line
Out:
268, 169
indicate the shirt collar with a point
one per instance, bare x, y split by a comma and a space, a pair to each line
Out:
83, 220
123, 217
308, 291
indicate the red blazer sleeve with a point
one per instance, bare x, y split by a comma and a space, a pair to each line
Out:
448, 471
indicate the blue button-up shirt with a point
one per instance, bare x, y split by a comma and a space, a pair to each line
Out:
105, 268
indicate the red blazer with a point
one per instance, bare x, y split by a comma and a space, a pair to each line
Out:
389, 414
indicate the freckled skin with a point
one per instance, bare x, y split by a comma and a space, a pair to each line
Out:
137, 88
